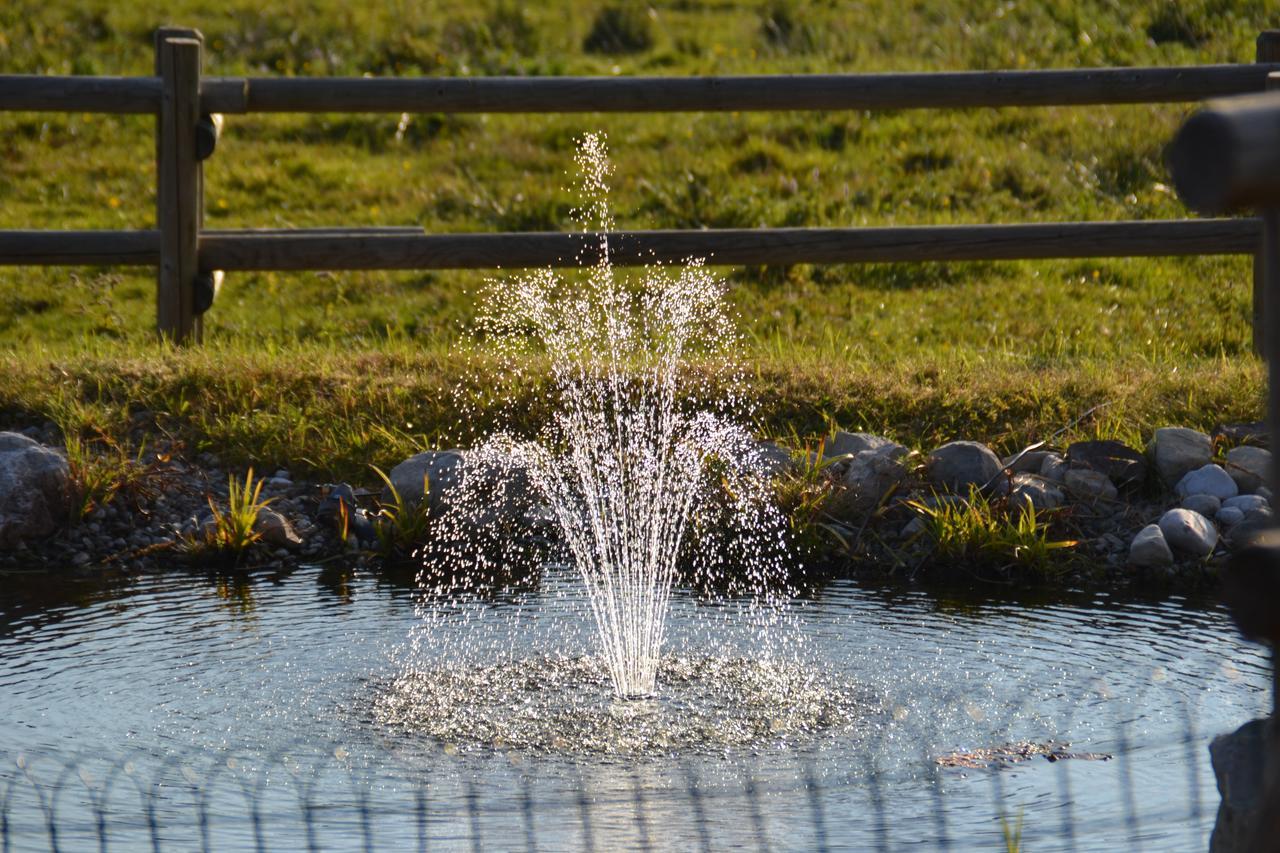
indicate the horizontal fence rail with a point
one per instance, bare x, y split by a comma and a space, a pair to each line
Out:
410, 248
188, 108
925, 90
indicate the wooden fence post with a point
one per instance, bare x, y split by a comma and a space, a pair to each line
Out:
179, 207
1268, 50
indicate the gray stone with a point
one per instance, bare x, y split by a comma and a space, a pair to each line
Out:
439, 471
1249, 466
35, 489
1189, 532
1124, 466
1149, 548
276, 530
912, 528
1248, 503
1229, 516
1040, 493
773, 460
852, 443
1239, 765
1263, 492
1177, 450
1207, 480
1090, 485
958, 465
1026, 463
1206, 505
872, 475
1054, 467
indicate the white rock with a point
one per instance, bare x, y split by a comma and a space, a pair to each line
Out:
1207, 480
1189, 532
1090, 485
1247, 503
1177, 450
1206, 505
1149, 548
1229, 516
1249, 466
1054, 467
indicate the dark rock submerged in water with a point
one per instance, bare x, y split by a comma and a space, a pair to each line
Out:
35, 489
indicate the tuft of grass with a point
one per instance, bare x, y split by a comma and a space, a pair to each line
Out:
1012, 833
233, 530
401, 526
979, 530
100, 471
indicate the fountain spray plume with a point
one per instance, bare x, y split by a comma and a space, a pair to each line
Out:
630, 468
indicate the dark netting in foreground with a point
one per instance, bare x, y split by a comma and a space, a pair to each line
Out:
429, 795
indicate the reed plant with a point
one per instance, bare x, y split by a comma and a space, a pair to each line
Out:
231, 532
979, 530
402, 526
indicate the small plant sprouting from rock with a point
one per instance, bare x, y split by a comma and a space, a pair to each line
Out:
402, 526
231, 532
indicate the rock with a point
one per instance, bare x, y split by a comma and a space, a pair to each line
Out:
35, 489
1250, 467
1255, 433
912, 528
773, 460
872, 475
1229, 516
1189, 532
440, 471
853, 443
1124, 466
1254, 525
958, 465
1026, 463
1207, 480
80, 558
340, 504
1040, 493
1206, 505
276, 530
1177, 450
1239, 766
1090, 485
1263, 492
1149, 548
1248, 503
1054, 467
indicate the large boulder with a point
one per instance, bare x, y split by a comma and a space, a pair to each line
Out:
439, 472
772, 459
485, 487
1177, 450
873, 474
958, 465
35, 489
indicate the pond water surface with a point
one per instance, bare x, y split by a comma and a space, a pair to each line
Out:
235, 711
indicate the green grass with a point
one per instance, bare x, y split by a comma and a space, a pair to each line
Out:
333, 372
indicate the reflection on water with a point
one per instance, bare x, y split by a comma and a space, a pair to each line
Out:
223, 683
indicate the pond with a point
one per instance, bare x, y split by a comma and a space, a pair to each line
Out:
312, 708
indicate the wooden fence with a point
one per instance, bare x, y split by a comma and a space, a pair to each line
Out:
188, 107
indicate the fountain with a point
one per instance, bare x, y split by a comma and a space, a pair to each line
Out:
630, 469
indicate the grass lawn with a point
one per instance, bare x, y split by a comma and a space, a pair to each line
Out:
329, 372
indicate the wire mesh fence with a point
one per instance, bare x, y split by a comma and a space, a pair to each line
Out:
895, 790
